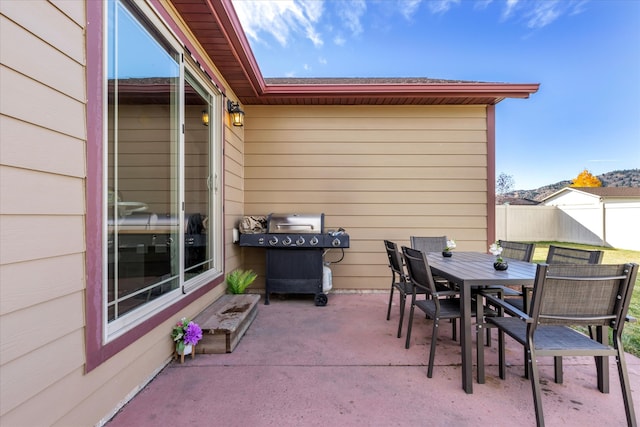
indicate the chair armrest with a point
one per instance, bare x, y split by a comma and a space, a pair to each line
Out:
513, 311
504, 290
445, 294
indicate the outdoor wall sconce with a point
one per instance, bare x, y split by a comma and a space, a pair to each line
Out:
205, 117
237, 115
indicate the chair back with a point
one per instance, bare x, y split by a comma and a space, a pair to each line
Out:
429, 244
582, 294
395, 259
560, 255
418, 270
517, 250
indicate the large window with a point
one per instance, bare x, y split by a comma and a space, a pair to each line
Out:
162, 210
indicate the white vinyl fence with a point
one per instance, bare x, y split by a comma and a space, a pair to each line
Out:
614, 225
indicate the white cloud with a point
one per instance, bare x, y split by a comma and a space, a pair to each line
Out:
540, 13
510, 6
350, 12
283, 19
441, 6
543, 13
409, 7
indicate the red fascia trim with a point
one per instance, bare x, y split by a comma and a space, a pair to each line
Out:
230, 25
498, 90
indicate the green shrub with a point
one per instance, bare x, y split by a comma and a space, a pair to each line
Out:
238, 280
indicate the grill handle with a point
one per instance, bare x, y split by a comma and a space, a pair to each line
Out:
291, 225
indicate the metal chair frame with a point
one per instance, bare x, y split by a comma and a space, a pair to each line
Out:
567, 295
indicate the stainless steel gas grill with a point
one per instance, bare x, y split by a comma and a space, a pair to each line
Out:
295, 245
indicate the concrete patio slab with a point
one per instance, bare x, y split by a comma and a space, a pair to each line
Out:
342, 365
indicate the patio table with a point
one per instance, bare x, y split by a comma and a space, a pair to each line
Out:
475, 270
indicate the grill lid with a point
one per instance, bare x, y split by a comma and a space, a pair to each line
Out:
296, 223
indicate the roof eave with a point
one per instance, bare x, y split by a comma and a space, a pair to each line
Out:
248, 83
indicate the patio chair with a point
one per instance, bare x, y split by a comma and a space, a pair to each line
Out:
568, 295
431, 244
441, 305
556, 255
522, 252
399, 281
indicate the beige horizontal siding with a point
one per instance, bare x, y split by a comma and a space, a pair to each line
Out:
410, 172
368, 147
48, 193
368, 185
409, 208
62, 33
33, 147
28, 284
53, 110
31, 237
233, 193
380, 172
24, 331
59, 72
30, 374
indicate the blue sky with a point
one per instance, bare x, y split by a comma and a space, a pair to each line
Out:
585, 54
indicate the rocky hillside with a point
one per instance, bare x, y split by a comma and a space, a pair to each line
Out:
621, 178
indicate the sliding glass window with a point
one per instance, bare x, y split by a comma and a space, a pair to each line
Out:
162, 210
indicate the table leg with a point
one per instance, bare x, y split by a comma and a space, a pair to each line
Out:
602, 362
465, 338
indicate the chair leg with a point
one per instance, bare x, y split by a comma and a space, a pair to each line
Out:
626, 386
602, 362
403, 303
432, 352
480, 353
557, 369
535, 386
409, 324
502, 370
390, 302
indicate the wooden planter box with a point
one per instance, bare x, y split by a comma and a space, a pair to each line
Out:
225, 321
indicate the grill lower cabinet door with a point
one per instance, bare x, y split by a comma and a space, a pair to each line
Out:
295, 271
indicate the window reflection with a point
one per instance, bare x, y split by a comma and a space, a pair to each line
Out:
197, 147
142, 164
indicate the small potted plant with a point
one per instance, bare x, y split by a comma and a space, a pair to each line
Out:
186, 335
500, 264
451, 244
238, 280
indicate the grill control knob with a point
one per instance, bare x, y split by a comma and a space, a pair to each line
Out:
273, 240
300, 241
313, 241
335, 242
286, 241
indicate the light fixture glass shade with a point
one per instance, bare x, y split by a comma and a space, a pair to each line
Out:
205, 117
237, 115
237, 118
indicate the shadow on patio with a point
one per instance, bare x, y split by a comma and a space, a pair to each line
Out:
302, 365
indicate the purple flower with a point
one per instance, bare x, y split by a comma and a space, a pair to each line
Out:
193, 334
